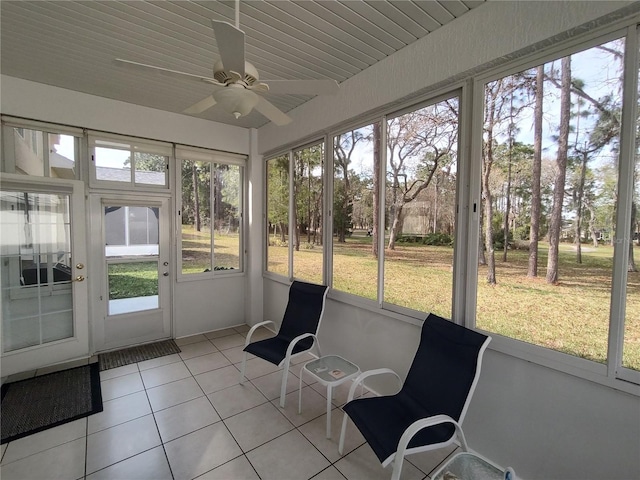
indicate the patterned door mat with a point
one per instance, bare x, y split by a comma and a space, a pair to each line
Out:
136, 354
36, 404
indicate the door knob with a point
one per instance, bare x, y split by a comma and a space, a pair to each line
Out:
79, 278
79, 266
165, 274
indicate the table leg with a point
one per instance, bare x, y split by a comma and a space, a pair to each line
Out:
329, 392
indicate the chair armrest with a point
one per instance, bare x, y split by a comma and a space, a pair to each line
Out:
293, 342
369, 373
253, 329
423, 423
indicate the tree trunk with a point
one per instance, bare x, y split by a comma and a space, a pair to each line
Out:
376, 188
507, 210
196, 199
534, 230
578, 222
396, 226
555, 224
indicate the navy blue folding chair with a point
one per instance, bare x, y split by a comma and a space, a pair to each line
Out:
428, 411
297, 334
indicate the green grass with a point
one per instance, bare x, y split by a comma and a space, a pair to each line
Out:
571, 317
130, 280
196, 250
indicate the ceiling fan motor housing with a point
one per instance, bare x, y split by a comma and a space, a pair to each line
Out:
250, 74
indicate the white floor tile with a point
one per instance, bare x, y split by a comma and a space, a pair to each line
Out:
121, 386
270, 384
340, 393
120, 410
229, 341
242, 329
257, 367
192, 339
330, 473
206, 363
120, 442
197, 349
218, 379
185, 418
45, 440
220, 333
316, 432
173, 393
243, 426
363, 463
201, 451
237, 469
118, 371
290, 456
235, 354
165, 374
3, 448
262, 333
236, 399
149, 465
63, 462
313, 406
159, 362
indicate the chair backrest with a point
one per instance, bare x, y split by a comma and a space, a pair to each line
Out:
446, 367
304, 310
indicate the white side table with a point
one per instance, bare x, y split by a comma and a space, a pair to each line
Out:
331, 371
469, 466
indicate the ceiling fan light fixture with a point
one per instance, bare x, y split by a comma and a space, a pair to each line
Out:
236, 101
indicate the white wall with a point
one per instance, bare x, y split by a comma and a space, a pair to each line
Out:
198, 306
37, 101
544, 423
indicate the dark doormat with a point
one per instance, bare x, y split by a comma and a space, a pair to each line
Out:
139, 353
35, 404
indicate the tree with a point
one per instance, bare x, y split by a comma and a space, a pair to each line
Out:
343, 148
278, 195
536, 203
420, 144
555, 224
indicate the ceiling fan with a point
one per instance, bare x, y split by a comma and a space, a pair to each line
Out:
236, 82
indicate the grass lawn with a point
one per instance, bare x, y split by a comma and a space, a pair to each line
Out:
571, 317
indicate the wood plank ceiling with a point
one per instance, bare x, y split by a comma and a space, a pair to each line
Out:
72, 44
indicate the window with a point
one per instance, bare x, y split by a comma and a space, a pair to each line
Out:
308, 170
550, 168
127, 163
40, 153
420, 207
356, 160
278, 215
211, 193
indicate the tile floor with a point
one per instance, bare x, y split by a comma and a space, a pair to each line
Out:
186, 416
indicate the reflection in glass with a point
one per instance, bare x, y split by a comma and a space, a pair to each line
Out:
35, 265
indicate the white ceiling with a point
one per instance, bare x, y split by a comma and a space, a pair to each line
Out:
72, 44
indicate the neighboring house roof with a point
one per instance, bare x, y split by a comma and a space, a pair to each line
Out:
111, 174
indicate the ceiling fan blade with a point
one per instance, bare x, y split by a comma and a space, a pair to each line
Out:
272, 112
201, 106
230, 42
164, 71
303, 87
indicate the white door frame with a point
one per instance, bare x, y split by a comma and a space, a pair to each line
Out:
117, 331
77, 346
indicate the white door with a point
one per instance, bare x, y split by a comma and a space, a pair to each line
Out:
42, 272
133, 294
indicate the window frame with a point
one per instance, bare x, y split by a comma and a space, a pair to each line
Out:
214, 157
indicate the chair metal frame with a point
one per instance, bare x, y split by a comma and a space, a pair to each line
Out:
286, 362
403, 445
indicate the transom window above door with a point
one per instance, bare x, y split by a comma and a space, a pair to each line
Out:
124, 162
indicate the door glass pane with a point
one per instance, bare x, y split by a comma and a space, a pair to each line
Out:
133, 286
278, 215
356, 157
35, 269
307, 213
131, 252
421, 207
